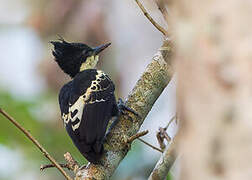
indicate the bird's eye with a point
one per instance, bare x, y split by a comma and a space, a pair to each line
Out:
89, 53
84, 51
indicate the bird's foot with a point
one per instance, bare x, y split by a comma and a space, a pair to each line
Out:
123, 108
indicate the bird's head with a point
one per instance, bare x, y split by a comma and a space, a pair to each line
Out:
75, 57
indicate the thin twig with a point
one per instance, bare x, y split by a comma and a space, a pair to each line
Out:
162, 134
160, 141
160, 28
43, 167
169, 155
162, 9
169, 123
148, 144
71, 162
45, 153
137, 135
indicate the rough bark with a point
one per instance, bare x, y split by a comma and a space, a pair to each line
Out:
165, 162
214, 64
146, 91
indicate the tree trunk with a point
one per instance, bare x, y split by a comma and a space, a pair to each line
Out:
214, 66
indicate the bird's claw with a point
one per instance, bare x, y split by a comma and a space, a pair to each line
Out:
123, 108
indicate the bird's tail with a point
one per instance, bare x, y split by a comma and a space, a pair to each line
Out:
92, 152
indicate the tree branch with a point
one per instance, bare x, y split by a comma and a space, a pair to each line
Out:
45, 153
162, 134
148, 144
45, 166
162, 9
165, 162
148, 88
157, 26
137, 135
169, 123
71, 164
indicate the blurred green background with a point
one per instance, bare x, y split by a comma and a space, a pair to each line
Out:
30, 79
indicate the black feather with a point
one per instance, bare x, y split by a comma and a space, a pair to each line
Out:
97, 111
70, 56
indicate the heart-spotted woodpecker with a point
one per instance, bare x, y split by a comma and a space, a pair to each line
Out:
87, 102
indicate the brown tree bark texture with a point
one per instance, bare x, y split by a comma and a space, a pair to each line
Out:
214, 65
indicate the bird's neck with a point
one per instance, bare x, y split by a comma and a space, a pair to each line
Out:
90, 63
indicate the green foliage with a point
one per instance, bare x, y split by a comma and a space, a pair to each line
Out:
169, 176
50, 133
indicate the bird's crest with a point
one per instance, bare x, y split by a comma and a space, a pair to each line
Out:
70, 56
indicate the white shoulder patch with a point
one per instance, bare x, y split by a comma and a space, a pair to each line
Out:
76, 109
95, 87
65, 118
75, 112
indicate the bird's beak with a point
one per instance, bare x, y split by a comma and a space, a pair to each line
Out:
100, 48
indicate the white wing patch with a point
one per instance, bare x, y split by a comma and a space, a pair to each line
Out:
95, 86
65, 118
76, 110
76, 118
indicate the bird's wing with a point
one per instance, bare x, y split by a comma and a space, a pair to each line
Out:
91, 112
64, 97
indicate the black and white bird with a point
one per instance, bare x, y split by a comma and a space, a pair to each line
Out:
87, 102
